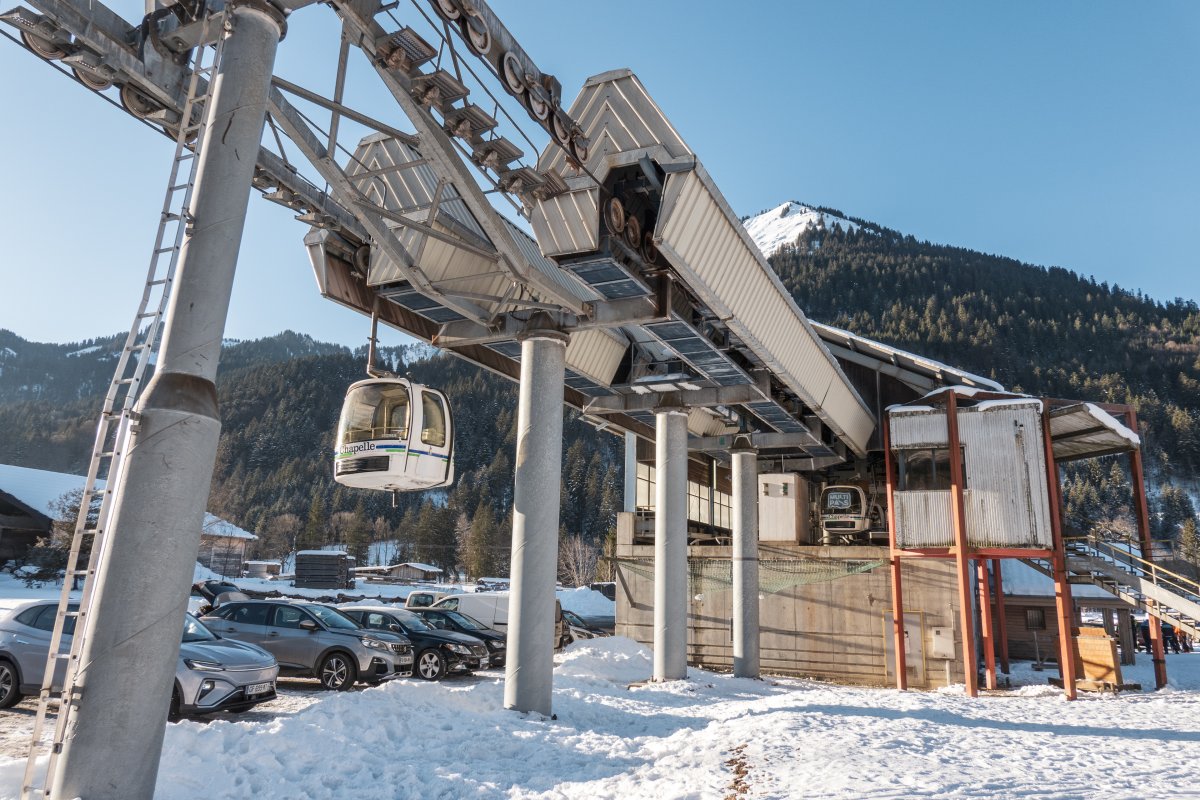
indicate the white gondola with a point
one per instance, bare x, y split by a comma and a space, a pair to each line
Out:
394, 435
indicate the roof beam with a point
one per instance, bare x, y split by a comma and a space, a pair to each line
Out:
760, 440
694, 398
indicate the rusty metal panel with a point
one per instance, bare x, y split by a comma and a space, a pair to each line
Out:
923, 519
1006, 503
568, 223
917, 426
596, 353
715, 257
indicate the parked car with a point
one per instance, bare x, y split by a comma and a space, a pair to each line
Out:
213, 674
207, 595
491, 608
317, 641
423, 599
581, 628
439, 652
457, 621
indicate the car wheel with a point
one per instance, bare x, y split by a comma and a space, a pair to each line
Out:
173, 712
431, 665
337, 672
10, 688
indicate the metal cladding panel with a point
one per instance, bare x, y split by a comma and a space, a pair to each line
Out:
596, 353
568, 223
702, 423
568, 283
1007, 503
616, 112
401, 190
923, 519
917, 427
713, 254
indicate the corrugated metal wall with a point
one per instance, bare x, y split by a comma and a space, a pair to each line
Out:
1006, 501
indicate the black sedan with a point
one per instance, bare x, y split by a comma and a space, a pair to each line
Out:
458, 621
439, 653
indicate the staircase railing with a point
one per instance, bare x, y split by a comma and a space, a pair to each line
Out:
1123, 558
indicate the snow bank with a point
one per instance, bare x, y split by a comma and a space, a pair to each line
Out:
587, 602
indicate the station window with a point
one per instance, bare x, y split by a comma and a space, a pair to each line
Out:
1035, 619
698, 502
926, 469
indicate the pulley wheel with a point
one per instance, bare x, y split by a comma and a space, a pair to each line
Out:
538, 107
514, 74
362, 258
479, 39
562, 134
447, 9
579, 148
649, 251
91, 79
136, 102
614, 216
43, 47
633, 233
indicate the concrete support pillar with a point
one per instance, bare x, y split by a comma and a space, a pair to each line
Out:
529, 671
127, 666
745, 562
630, 472
670, 546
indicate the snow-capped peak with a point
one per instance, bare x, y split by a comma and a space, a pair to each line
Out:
783, 224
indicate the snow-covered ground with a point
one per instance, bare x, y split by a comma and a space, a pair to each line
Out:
711, 736
705, 737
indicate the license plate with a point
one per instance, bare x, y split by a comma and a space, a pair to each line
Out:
404, 659
259, 688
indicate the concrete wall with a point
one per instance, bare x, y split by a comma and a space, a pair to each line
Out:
834, 630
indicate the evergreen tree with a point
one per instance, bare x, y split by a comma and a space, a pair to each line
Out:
315, 527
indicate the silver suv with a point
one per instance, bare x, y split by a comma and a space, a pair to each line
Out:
314, 640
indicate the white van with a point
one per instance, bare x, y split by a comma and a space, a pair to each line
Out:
491, 609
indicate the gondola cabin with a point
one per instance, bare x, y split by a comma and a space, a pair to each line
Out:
848, 516
394, 435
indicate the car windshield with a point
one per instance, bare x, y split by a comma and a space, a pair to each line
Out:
470, 623
331, 618
194, 631
411, 621
574, 619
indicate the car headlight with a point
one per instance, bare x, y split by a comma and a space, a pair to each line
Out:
496, 645
461, 649
377, 644
204, 666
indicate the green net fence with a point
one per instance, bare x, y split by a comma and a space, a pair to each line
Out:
774, 574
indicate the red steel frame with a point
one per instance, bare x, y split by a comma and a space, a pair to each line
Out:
1158, 656
1001, 620
991, 626
897, 588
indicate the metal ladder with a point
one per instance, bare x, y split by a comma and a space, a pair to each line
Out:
118, 416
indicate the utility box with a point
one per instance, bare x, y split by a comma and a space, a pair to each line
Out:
783, 508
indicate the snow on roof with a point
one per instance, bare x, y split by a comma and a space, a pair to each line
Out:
39, 489
341, 553
420, 566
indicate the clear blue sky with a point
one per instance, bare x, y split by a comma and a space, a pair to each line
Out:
1057, 133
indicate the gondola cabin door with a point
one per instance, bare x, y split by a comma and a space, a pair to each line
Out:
394, 435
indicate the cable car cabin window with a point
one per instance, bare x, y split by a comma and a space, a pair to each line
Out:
433, 428
375, 412
927, 469
842, 501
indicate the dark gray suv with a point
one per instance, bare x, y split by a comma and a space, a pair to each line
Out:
316, 641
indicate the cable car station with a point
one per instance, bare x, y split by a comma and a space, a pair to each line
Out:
639, 300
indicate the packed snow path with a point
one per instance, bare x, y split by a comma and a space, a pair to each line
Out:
705, 737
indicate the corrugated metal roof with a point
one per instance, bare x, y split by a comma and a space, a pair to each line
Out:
1087, 431
921, 373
